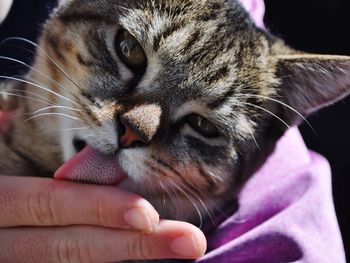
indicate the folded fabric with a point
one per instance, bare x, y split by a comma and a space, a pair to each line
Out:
285, 213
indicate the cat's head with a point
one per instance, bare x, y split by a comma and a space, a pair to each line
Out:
188, 97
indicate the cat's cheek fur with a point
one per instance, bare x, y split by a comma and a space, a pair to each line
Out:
66, 140
183, 188
162, 180
133, 163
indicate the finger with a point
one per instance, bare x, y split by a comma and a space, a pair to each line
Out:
47, 202
93, 244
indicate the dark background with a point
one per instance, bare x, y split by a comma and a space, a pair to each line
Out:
322, 26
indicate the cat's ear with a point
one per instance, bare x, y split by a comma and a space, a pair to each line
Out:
310, 82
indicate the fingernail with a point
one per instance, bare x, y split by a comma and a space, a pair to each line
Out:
186, 246
140, 218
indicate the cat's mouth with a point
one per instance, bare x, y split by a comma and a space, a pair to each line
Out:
91, 166
79, 144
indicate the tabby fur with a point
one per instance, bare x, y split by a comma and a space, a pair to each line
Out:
203, 56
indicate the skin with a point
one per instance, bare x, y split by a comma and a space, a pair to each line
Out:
43, 219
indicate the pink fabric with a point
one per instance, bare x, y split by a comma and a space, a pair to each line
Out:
256, 9
286, 211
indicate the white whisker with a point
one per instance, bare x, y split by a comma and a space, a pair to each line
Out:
255, 141
195, 195
54, 114
271, 113
56, 107
285, 105
38, 86
38, 96
47, 55
164, 201
49, 130
35, 70
190, 199
75, 129
23, 96
214, 176
122, 7
168, 191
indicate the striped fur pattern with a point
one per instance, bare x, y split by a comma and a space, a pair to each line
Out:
204, 57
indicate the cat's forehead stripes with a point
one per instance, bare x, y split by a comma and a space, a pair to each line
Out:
199, 44
182, 40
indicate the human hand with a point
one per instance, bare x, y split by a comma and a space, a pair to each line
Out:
45, 220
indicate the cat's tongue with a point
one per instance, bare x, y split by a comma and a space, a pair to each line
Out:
92, 166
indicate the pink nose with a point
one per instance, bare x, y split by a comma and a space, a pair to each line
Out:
141, 124
129, 137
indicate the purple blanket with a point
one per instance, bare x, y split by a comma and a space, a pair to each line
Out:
285, 214
286, 211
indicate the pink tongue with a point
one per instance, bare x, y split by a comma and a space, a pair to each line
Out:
91, 166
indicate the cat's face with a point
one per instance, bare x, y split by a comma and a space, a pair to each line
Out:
186, 95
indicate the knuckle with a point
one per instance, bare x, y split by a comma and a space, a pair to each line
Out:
71, 249
41, 207
139, 248
100, 213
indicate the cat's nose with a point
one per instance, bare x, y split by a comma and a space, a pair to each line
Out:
141, 124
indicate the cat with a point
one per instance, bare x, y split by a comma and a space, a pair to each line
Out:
180, 101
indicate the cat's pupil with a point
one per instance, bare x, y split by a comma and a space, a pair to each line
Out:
202, 126
130, 51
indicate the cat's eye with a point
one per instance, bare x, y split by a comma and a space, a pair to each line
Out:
130, 51
202, 126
